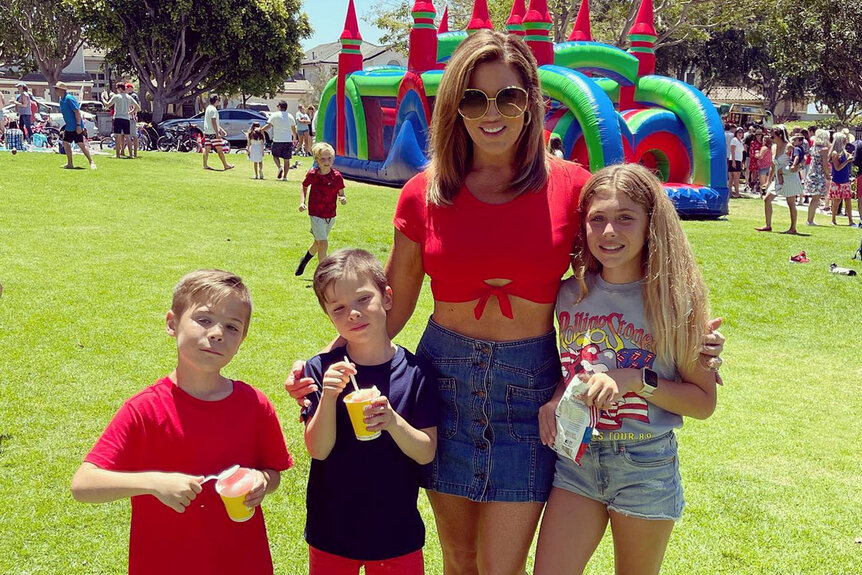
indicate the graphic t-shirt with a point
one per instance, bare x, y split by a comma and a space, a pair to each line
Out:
361, 500
324, 192
608, 330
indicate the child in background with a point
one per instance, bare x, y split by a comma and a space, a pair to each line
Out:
361, 503
326, 185
193, 423
629, 474
14, 138
555, 146
255, 145
783, 180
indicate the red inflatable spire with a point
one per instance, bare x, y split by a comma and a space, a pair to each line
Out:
444, 21
480, 19
645, 21
351, 27
537, 23
515, 23
349, 61
642, 39
581, 32
422, 54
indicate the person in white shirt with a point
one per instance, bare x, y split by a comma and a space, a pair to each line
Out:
122, 105
283, 127
213, 134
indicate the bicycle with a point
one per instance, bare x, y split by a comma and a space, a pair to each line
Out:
182, 138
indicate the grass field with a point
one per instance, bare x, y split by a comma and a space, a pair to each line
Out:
88, 260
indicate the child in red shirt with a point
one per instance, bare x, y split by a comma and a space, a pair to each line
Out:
326, 185
193, 423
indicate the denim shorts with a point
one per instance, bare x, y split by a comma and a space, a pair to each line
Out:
635, 478
488, 444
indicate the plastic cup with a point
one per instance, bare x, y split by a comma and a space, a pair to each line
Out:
355, 402
232, 490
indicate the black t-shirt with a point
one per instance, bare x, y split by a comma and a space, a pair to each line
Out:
361, 499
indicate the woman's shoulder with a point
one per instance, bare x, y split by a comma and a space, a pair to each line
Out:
570, 175
417, 185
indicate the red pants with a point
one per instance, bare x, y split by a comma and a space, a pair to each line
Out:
323, 563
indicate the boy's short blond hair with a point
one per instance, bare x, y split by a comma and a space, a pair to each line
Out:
209, 287
343, 263
319, 147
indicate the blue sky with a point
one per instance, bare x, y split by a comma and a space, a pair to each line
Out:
327, 20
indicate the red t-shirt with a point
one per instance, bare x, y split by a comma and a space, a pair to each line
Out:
527, 240
163, 428
324, 192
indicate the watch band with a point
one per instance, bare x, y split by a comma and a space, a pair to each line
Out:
649, 378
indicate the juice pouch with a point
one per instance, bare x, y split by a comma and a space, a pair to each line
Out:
575, 421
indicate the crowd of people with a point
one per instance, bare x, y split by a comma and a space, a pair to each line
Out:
804, 166
469, 416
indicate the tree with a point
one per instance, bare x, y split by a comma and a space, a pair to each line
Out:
838, 83
181, 50
51, 30
13, 49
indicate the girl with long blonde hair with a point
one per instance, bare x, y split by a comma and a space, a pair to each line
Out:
840, 188
633, 318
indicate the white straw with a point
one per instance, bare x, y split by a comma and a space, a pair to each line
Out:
352, 377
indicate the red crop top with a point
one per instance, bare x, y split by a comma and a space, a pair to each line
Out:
527, 240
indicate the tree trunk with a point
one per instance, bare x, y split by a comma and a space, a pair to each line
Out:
159, 105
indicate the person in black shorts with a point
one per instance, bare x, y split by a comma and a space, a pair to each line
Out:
73, 130
283, 126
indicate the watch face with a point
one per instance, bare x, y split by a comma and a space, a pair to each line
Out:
650, 378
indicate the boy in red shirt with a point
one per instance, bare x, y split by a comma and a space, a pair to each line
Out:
193, 423
326, 185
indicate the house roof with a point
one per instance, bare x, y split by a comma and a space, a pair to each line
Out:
328, 53
732, 94
37, 78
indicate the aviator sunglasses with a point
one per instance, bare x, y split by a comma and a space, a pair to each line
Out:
511, 102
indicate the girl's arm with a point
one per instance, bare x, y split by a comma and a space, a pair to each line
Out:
833, 159
404, 273
694, 396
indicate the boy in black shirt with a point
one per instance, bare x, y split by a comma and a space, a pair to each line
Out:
361, 499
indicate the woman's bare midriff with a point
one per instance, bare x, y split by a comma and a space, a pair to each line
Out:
530, 319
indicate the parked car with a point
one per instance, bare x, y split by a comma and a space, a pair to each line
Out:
235, 121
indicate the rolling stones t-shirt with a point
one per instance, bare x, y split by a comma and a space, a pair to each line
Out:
608, 330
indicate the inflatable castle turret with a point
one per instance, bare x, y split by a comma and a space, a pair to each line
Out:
537, 24
349, 61
581, 32
423, 38
642, 37
515, 23
444, 21
606, 104
480, 20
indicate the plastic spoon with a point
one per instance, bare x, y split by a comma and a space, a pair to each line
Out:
223, 475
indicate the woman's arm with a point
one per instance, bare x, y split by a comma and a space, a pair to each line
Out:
404, 273
824, 159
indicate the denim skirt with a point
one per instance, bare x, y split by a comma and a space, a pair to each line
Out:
488, 444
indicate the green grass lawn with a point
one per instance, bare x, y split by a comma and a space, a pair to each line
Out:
88, 261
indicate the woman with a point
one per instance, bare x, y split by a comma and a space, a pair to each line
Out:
490, 338
734, 168
840, 189
819, 173
781, 181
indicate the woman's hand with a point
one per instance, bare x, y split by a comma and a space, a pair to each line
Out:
548, 418
712, 345
298, 386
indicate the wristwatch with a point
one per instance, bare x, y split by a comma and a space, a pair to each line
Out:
650, 382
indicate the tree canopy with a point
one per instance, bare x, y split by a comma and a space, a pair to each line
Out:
183, 48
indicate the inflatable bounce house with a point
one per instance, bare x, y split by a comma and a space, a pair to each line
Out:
605, 104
